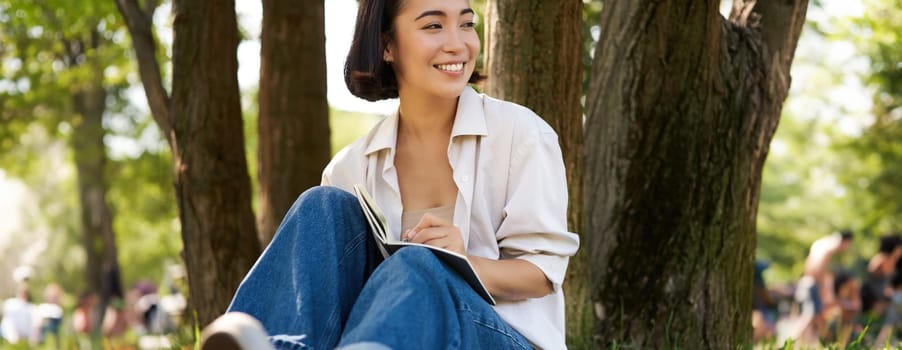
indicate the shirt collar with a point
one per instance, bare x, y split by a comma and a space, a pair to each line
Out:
469, 120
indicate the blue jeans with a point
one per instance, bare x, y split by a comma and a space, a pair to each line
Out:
815, 293
322, 283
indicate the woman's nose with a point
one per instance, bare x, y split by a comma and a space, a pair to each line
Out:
454, 42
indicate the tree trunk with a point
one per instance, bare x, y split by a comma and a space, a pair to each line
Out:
212, 184
102, 263
294, 114
681, 109
533, 57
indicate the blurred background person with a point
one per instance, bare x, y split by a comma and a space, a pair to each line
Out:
49, 315
843, 318
815, 289
764, 313
883, 264
17, 325
83, 317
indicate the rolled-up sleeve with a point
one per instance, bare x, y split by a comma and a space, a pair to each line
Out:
534, 227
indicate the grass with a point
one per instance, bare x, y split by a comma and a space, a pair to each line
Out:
183, 339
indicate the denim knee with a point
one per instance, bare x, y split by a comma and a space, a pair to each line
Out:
328, 195
320, 207
321, 200
415, 258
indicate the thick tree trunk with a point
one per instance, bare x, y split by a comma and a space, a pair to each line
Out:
102, 263
681, 109
533, 57
294, 114
212, 183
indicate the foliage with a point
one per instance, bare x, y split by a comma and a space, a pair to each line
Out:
48, 47
880, 32
834, 162
146, 224
49, 236
801, 200
348, 126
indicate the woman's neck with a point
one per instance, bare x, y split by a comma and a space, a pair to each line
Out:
425, 117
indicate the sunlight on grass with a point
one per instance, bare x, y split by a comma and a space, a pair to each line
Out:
348, 126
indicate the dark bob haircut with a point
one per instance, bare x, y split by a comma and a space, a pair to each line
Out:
367, 75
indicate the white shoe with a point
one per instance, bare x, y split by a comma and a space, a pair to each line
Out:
235, 331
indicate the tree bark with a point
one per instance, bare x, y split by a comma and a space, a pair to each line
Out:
139, 23
212, 183
682, 106
294, 113
99, 239
533, 58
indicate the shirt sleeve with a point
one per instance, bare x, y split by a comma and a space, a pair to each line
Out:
534, 227
327, 176
346, 169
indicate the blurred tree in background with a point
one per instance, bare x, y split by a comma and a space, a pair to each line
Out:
66, 73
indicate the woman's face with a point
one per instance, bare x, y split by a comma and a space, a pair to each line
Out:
434, 47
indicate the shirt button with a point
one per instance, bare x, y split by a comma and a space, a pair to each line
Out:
465, 178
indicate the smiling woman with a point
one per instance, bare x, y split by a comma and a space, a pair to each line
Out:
452, 169
372, 71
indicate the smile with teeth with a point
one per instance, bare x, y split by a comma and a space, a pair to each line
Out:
456, 67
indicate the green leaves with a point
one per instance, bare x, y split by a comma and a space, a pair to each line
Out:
50, 49
836, 160
882, 142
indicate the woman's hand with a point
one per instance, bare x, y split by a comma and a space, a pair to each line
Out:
511, 279
507, 279
432, 230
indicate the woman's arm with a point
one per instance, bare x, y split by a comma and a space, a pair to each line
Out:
511, 279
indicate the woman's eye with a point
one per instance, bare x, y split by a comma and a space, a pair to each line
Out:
433, 26
469, 25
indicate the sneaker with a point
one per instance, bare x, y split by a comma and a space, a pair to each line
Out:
235, 331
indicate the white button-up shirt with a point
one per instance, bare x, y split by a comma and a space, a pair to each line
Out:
511, 202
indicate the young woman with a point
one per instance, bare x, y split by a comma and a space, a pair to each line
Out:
451, 168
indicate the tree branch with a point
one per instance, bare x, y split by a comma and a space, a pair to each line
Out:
781, 25
149, 7
140, 27
741, 12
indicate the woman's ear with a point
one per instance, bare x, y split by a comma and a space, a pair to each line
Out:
388, 51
